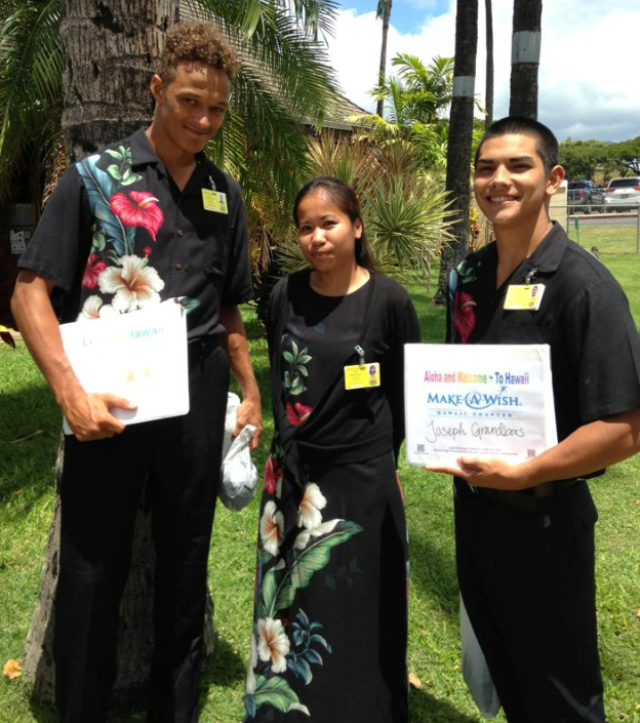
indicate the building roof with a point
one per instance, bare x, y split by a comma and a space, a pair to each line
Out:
336, 115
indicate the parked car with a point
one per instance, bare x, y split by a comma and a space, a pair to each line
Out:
584, 194
623, 194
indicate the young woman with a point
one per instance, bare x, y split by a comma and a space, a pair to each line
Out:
330, 627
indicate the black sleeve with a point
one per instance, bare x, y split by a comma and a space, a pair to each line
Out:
61, 243
606, 351
406, 330
238, 286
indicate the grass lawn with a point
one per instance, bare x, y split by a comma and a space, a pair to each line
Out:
623, 239
28, 413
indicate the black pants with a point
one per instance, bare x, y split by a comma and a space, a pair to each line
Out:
100, 491
528, 582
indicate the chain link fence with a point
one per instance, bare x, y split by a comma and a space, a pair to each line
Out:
600, 233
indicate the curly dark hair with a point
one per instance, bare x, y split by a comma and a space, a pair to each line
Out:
196, 43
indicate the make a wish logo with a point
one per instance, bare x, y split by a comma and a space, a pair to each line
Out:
474, 400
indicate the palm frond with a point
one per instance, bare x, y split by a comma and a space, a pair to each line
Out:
315, 18
292, 63
407, 221
404, 211
30, 81
353, 161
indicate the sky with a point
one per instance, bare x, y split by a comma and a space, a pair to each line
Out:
589, 87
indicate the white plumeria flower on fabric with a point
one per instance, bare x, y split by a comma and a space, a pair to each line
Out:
134, 283
273, 644
302, 540
309, 511
271, 528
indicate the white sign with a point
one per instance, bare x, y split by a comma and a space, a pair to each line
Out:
141, 356
477, 400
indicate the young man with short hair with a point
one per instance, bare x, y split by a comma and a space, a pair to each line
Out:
128, 227
524, 532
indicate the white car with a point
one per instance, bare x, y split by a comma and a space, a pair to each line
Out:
623, 193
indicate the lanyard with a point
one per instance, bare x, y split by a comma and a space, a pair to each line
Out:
367, 316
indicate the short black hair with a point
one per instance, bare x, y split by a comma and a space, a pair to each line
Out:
546, 142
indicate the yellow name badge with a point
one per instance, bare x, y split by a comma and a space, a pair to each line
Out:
215, 201
526, 297
362, 376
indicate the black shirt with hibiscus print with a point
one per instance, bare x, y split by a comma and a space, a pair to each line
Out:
584, 316
118, 235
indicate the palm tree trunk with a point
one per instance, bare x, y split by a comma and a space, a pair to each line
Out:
386, 15
109, 49
525, 57
488, 102
460, 139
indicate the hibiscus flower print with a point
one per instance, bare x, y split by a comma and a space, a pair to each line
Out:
302, 539
313, 501
272, 475
464, 315
297, 413
92, 270
138, 208
95, 308
271, 528
273, 644
134, 283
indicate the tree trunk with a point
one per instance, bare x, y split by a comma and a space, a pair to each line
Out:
386, 15
460, 140
525, 57
109, 51
488, 95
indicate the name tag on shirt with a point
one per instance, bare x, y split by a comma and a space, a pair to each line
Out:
215, 201
526, 297
361, 376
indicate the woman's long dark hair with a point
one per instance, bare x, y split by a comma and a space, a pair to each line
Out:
345, 198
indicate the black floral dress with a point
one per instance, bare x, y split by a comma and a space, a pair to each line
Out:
330, 622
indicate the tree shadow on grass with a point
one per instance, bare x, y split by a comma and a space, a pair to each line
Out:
425, 708
224, 668
29, 436
255, 329
42, 712
431, 540
433, 572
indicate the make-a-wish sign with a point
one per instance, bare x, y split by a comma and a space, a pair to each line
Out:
482, 401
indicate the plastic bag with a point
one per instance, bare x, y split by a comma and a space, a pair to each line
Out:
231, 416
239, 482
475, 670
